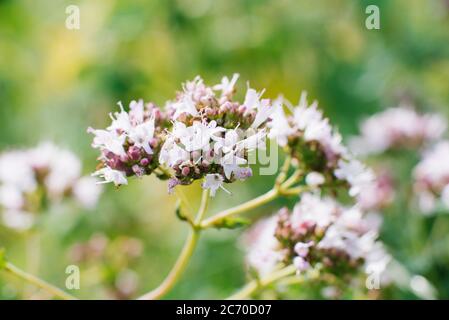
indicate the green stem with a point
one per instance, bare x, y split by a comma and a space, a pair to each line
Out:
199, 225
183, 258
255, 285
249, 205
284, 170
38, 282
177, 269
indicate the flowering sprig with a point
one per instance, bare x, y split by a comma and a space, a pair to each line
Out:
318, 234
199, 135
130, 145
205, 134
35, 178
316, 146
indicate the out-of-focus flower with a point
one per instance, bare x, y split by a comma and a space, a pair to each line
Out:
318, 233
356, 174
30, 178
400, 127
316, 146
379, 193
86, 192
263, 249
432, 177
309, 135
315, 179
99, 255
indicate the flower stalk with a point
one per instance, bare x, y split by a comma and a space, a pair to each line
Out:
255, 285
200, 224
56, 292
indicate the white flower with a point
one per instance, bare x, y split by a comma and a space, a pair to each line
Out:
306, 116
198, 136
15, 170
262, 106
87, 191
253, 141
213, 182
315, 179
16, 219
11, 197
231, 163
120, 120
356, 174
227, 86
108, 141
252, 99
111, 175
142, 134
62, 166
315, 210
136, 111
302, 248
264, 111
228, 143
432, 176
433, 169
263, 254
427, 202
315, 127
301, 264
397, 127
280, 129
186, 105
171, 153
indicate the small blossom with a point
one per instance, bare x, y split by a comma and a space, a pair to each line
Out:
302, 249
213, 182
280, 128
315, 179
111, 175
227, 86
301, 264
185, 106
356, 174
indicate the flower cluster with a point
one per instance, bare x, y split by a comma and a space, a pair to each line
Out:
213, 135
432, 177
400, 127
130, 145
31, 179
318, 234
317, 147
202, 134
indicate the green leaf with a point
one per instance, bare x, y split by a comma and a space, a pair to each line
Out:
232, 223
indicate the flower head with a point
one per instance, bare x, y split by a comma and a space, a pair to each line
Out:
400, 127
318, 233
46, 174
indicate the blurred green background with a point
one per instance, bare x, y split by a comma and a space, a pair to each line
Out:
56, 82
